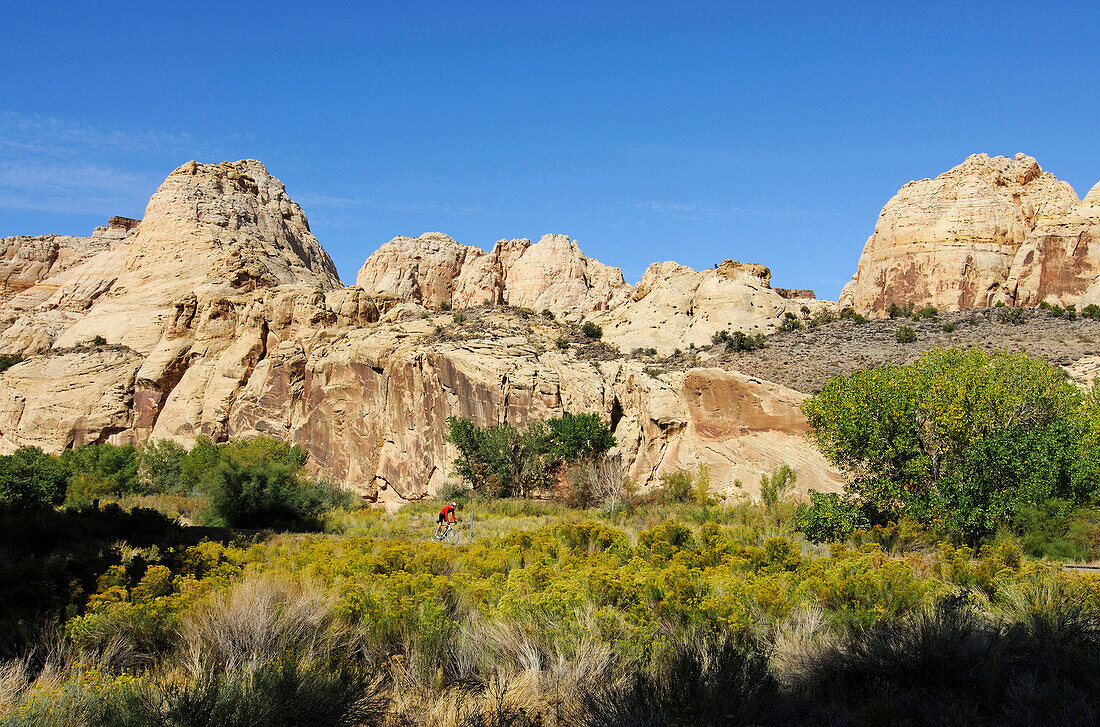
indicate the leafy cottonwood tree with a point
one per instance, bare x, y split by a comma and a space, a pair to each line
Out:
960, 440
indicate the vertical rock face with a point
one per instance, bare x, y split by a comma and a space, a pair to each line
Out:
552, 274
950, 241
1060, 260
224, 317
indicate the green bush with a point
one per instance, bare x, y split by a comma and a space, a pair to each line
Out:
905, 334
929, 311
160, 466
830, 518
1091, 311
738, 341
31, 478
7, 360
562, 342
790, 323
199, 461
118, 465
1012, 316
265, 494
959, 440
896, 311
502, 461
774, 488
949, 327
591, 330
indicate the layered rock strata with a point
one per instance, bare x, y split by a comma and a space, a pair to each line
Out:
225, 317
950, 242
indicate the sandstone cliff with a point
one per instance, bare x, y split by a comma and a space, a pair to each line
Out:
208, 230
552, 274
1059, 261
674, 306
225, 317
950, 242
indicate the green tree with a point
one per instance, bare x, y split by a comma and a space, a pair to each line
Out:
199, 461
117, 466
958, 440
31, 478
160, 466
261, 495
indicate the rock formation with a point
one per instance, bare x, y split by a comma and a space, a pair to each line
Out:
552, 274
950, 242
225, 317
1059, 262
673, 306
209, 230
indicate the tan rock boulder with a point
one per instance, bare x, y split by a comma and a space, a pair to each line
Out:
551, 274
674, 306
423, 269
1059, 261
950, 241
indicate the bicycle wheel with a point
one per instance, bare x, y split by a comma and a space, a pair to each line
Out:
452, 536
438, 534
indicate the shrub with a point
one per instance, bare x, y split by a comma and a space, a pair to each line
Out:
929, 311
264, 494
949, 327
738, 341
562, 342
896, 311
458, 317
444, 305
676, 486
905, 334
86, 487
548, 314
118, 465
160, 466
31, 478
850, 313
774, 488
7, 360
199, 461
822, 318
830, 517
790, 323
591, 330
1091, 311
99, 341
1012, 316
501, 461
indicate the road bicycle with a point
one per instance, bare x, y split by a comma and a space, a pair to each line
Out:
445, 533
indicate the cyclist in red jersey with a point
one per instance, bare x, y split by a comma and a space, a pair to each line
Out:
447, 514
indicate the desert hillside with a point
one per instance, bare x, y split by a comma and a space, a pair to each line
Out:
220, 314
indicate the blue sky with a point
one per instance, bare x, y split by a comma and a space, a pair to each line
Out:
765, 132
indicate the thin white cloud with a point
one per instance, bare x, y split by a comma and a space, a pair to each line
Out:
701, 211
48, 136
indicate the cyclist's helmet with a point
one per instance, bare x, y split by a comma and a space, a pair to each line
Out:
454, 504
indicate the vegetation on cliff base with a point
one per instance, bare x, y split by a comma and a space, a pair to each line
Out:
502, 461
